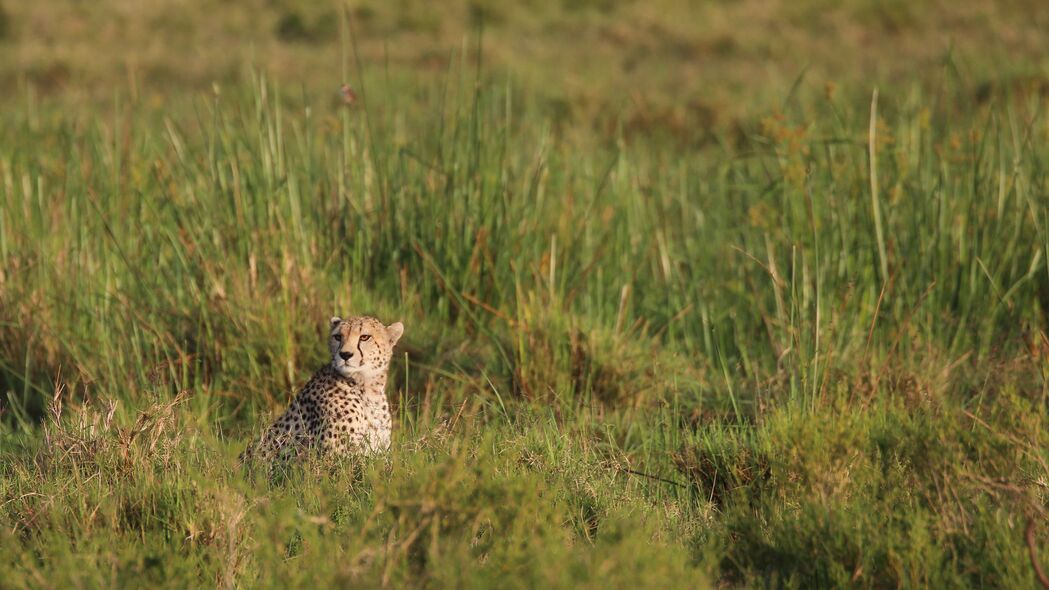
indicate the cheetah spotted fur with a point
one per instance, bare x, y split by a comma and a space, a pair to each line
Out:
342, 410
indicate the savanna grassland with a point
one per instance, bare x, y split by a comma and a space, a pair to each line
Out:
727, 295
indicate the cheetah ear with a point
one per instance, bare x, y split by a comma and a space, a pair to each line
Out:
394, 332
335, 321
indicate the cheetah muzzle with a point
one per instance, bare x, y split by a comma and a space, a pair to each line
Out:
342, 410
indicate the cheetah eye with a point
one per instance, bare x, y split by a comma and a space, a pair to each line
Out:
337, 337
365, 337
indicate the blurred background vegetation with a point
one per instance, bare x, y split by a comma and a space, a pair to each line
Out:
686, 69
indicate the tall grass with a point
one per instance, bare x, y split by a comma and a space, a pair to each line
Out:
812, 355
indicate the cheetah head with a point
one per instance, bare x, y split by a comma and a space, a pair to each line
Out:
362, 346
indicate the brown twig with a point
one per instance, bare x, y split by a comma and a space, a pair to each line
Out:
476, 301
877, 309
650, 476
458, 414
1038, 571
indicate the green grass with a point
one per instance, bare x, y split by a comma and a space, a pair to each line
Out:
764, 359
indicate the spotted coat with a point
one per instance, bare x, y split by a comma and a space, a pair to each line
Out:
342, 410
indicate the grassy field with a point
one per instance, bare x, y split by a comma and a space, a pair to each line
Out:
688, 302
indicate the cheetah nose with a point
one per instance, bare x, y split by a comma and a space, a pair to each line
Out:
345, 355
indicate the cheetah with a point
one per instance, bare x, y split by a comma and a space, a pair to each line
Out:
342, 410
